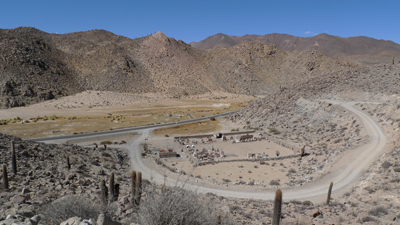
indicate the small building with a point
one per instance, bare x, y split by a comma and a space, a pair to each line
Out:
167, 154
219, 135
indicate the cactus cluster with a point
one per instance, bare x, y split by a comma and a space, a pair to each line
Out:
114, 191
136, 186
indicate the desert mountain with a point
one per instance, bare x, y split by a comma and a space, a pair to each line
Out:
37, 66
364, 49
32, 69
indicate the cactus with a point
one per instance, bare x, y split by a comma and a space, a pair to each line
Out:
303, 151
105, 147
219, 219
5, 178
68, 163
277, 208
328, 199
13, 159
136, 185
138, 188
103, 193
116, 192
133, 185
111, 187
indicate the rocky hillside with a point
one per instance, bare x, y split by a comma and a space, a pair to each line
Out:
364, 49
37, 66
300, 121
32, 69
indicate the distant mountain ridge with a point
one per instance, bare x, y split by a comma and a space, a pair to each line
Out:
365, 48
36, 66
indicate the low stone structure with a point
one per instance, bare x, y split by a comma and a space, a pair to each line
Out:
166, 154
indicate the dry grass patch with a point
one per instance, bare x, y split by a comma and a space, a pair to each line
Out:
76, 121
191, 128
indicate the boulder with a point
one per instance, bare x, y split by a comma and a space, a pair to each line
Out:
87, 222
72, 221
315, 213
105, 220
18, 199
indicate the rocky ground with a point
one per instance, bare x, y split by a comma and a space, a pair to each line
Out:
43, 175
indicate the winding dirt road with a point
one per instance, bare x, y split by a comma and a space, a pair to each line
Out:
344, 171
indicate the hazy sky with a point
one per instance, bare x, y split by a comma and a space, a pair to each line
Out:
196, 20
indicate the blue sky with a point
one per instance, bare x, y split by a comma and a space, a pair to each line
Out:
196, 20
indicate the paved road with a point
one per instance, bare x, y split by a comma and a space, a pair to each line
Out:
118, 132
344, 170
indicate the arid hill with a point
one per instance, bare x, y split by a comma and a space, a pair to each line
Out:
32, 69
364, 49
37, 66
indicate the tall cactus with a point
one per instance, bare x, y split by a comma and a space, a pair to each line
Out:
277, 208
328, 199
5, 178
103, 193
302, 152
116, 192
111, 187
68, 163
13, 159
138, 188
133, 186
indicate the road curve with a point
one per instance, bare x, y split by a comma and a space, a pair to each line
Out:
345, 170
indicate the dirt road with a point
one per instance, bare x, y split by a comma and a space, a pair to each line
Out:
344, 171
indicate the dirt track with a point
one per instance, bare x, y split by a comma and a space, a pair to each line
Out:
343, 172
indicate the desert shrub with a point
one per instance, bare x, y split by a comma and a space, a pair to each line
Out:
369, 189
274, 182
105, 154
386, 165
212, 118
395, 180
106, 142
70, 206
176, 205
378, 211
307, 203
274, 131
